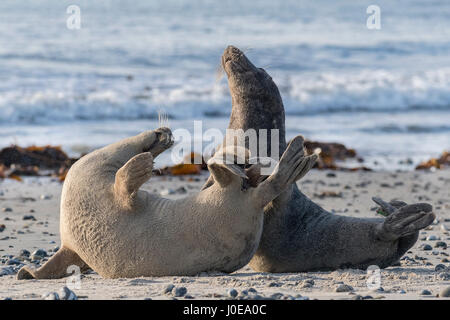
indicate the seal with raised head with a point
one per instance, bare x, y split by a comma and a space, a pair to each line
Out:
110, 225
298, 234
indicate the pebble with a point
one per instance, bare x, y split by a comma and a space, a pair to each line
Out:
180, 291
444, 228
445, 293
432, 238
5, 271
425, 292
168, 289
67, 294
440, 267
309, 283
2, 227
50, 296
38, 254
232, 293
166, 192
7, 209
29, 217
24, 253
45, 197
344, 288
427, 247
441, 244
11, 262
276, 296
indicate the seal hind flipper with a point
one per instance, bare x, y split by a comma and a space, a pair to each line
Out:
405, 221
55, 268
131, 177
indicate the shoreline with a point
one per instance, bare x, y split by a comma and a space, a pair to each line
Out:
344, 193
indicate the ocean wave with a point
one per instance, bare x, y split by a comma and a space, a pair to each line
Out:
313, 93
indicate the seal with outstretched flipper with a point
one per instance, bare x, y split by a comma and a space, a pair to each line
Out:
298, 234
118, 230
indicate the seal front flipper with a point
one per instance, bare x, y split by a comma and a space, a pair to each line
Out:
55, 268
403, 220
131, 177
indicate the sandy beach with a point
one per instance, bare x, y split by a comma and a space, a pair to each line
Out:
29, 217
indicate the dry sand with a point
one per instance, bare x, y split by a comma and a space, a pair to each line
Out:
349, 193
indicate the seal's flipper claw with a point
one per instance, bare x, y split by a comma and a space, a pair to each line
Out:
406, 220
59, 266
132, 176
386, 208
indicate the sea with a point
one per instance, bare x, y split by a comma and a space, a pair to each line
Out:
82, 74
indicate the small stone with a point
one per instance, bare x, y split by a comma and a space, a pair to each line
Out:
252, 290
50, 296
232, 293
432, 238
180, 291
401, 291
427, 247
24, 253
444, 228
168, 289
441, 244
67, 294
5, 271
2, 227
425, 292
11, 262
309, 283
38, 254
276, 296
7, 209
188, 296
440, 267
445, 292
29, 217
166, 192
344, 288
45, 197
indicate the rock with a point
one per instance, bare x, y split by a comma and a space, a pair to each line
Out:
232, 293
180, 291
309, 283
441, 244
38, 254
168, 289
445, 292
29, 217
7, 209
427, 247
444, 228
67, 294
24, 253
432, 238
188, 296
5, 271
2, 227
11, 262
425, 292
440, 267
444, 276
276, 296
344, 288
166, 192
50, 296
45, 197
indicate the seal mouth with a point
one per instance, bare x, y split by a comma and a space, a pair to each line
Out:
234, 60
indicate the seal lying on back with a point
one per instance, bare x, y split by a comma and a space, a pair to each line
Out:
298, 234
118, 230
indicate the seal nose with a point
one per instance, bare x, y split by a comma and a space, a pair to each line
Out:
229, 53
